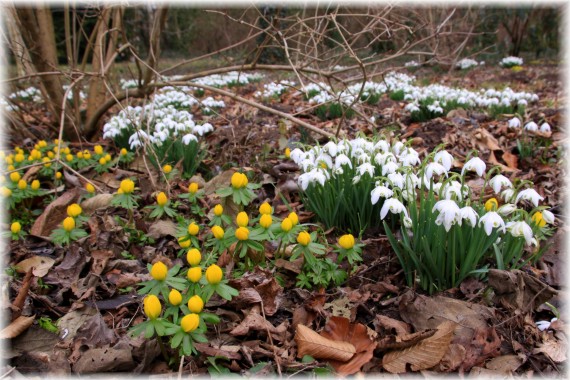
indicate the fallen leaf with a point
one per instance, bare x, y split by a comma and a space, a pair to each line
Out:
398, 342
40, 264
18, 326
424, 354
511, 160
221, 180
105, 359
96, 202
162, 228
309, 342
554, 346
54, 213
507, 364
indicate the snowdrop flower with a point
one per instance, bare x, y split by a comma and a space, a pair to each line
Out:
341, 160
394, 206
444, 158
492, 220
499, 181
507, 195
397, 179
531, 126
545, 325
448, 213
410, 157
314, 175
366, 168
518, 229
545, 128
356, 179
382, 146
331, 148
203, 129
529, 195
390, 167
469, 214
548, 216
434, 167
382, 158
380, 191
475, 164
297, 155
407, 222
506, 209
188, 138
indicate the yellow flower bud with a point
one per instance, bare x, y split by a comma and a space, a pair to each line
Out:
69, 157
193, 188
159, 271
218, 232
193, 257
214, 274
242, 219
50, 154
42, 143
68, 224
16, 227
58, 175
10, 168
19, 157
491, 204
304, 238
22, 184
287, 153
265, 208
127, 186
294, 218
218, 210
46, 160
538, 219
90, 188
66, 150
174, 297
346, 241
185, 243
167, 168
6, 192
193, 229
286, 225
123, 152
98, 149
79, 154
108, 157
194, 274
190, 322
265, 221
195, 304
35, 184
86, 155
239, 180
15, 177
152, 306
102, 161
161, 199
242, 233
74, 210
9, 160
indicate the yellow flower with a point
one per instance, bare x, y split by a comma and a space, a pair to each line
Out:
516, 69
193, 188
79, 154
346, 241
68, 224
123, 152
16, 227
195, 304
66, 150
193, 229
214, 274
74, 210
127, 186
86, 155
152, 306
167, 168
242, 219
46, 162
9, 160
239, 180
304, 238
242, 233
108, 157
42, 143
50, 154
35, 184
98, 149
185, 243
10, 168
5, 192
491, 204
58, 175
69, 157
538, 219
159, 271
218, 210
194, 274
265, 221
265, 208
287, 152
35, 154
174, 297
286, 224
190, 322
90, 188
294, 218
22, 184
15, 176
161, 199
120, 191
102, 161
218, 232
193, 257
19, 157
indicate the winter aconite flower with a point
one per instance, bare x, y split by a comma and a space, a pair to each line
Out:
15, 177
193, 257
218, 232
159, 271
287, 152
304, 238
161, 199
123, 152
214, 274
294, 218
239, 180
538, 219
152, 307
16, 227
22, 184
184, 243
491, 204
286, 225
90, 188
35, 185
265, 208
190, 322
194, 274
218, 210
193, 188
58, 175
242, 219
242, 233
127, 186
346, 241
68, 224
265, 221
193, 229
167, 169
74, 210
195, 304
174, 297
98, 149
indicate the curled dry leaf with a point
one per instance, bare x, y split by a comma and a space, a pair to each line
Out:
311, 343
40, 264
425, 354
18, 326
96, 202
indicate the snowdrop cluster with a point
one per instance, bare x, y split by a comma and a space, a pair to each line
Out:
273, 90
531, 126
511, 61
30, 94
230, 79
128, 83
82, 95
209, 103
412, 64
466, 63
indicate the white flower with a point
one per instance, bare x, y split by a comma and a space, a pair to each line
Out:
407, 222
366, 168
545, 128
548, 216
356, 179
389, 167
394, 206
506, 209
314, 175
469, 214
531, 126
475, 164
434, 167
445, 158
520, 229
341, 160
507, 194
529, 195
331, 148
383, 158
380, 191
397, 179
499, 181
297, 155
449, 213
545, 325
186, 139
492, 220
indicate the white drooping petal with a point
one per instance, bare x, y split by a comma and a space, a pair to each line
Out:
475, 164
529, 195
492, 220
548, 216
520, 228
468, 213
380, 191
545, 128
342, 160
499, 181
394, 206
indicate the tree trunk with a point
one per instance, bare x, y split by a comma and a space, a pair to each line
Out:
21, 55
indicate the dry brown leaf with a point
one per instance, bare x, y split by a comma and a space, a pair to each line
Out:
493, 160
41, 265
423, 355
398, 342
18, 326
511, 160
54, 213
96, 202
554, 346
311, 343
162, 228
506, 363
